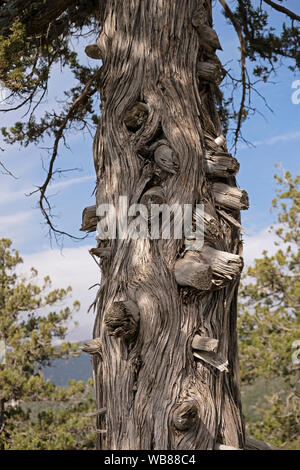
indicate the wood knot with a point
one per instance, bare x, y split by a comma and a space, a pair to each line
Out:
190, 272
166, 159
93, 52
121, 319
136, 116
186, 415
154, 195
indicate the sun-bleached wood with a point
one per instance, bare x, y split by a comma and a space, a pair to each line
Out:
150, 55
223, 264
212, 228
230, 197
89, 219
220, 165
212, 359
97, 413
208, 36
190, 272
203, 343
92, 346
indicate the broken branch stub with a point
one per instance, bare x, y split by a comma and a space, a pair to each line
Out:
219, 446
230, 197
121, 319
220, 140
104, 252
223, 264
221, 165
203, 343
92, 346
93, 51
207, 35
192, 273
89, 219
210, 72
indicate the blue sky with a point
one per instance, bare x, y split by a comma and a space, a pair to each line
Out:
276, 137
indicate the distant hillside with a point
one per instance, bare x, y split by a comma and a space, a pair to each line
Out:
80, 368
63, 370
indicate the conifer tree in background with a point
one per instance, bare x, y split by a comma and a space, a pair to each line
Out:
165, 340
34, 413
269, 322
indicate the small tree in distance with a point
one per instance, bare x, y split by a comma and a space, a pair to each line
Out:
269, 322
31, 341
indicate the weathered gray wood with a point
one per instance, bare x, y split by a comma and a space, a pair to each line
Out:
220, 140
89, 219
220, 165
223, 264
121, 319
93, 51
185, 415
210, 72
230, 197
203, 343
97, 413
230, 219
166, 159
141, 382
212, 359
190, 272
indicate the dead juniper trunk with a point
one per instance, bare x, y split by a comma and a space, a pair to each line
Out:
165, 361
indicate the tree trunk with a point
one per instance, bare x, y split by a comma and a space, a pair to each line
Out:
157, 393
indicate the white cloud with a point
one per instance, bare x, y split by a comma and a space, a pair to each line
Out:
10, 196
255, 244
74, 267
274, 140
